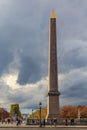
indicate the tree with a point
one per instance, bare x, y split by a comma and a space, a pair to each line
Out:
68, 112
14, 110
84, 112
36, 114
3, 113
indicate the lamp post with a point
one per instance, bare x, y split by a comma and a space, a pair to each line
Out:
40, 113
2, 114
32, 113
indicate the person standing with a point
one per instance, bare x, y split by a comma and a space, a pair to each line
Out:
66, 122
44, 122
51, 122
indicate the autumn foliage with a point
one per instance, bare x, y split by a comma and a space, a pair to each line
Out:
68, 112
3, 113
36, 114
65, 112
72, 111
83, 110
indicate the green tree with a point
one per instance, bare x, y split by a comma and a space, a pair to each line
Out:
14, 110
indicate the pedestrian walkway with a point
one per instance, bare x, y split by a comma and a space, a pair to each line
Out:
13, 126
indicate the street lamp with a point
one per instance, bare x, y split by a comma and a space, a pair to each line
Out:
2, 111
40, 113
32, 113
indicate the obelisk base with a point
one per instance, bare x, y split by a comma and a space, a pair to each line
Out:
52, 116
53, 105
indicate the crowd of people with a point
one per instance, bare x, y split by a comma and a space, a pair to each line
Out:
52, 122
16, 120
71, 121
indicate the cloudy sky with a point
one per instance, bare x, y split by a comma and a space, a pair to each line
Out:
24, 51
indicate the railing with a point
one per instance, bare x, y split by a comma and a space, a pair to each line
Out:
57, 122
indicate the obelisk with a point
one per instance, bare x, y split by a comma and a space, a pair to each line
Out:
53, 93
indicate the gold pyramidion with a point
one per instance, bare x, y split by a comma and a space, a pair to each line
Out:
52, 14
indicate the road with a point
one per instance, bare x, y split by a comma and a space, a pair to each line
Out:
33, 127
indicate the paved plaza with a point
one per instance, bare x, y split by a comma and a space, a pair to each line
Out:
36, 127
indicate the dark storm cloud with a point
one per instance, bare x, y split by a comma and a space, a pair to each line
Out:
21, 33
76, 91
31, 70
17, 97
73, 87
72, 23
24, 33
6, 57
28, 33
73, 58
